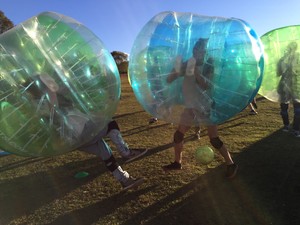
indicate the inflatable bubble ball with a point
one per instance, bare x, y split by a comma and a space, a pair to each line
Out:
281, 81
188, 68
59, 86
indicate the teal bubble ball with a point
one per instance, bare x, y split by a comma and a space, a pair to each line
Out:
204, 155
211, 65
59, 86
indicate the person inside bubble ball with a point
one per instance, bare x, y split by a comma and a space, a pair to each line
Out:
43, 86
288, 68
197, 74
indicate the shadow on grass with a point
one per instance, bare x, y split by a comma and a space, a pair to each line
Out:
142, 129
20, 163
92, 213
265, 191
187, 139
29, 193
128, 114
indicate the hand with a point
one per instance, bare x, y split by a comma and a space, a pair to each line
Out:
178, 63
190, 68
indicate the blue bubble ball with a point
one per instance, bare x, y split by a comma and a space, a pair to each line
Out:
194, 69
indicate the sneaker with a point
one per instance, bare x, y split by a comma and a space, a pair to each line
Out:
131, 183
173, 166
134, 154
231, 171
297, 133
197, 132
253, 112
153, 120
286, 128
197, 135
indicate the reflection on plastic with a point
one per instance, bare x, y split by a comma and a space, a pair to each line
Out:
59, 86
232, 52
281, 82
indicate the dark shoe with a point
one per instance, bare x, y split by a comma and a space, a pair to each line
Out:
131, 183
134, 154
153, 120
173, 166
286, 128
231, 171
297, 133
253, 112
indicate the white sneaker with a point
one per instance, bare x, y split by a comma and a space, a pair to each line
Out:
198, 135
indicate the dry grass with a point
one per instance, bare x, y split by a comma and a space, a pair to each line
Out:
266, 190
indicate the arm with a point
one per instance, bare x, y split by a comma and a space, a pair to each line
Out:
175, 73
278, 68
172, 76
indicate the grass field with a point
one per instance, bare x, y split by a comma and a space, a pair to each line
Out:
265, 191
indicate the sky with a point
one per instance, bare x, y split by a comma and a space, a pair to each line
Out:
118, 22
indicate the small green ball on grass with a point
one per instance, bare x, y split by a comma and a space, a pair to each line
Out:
204, 155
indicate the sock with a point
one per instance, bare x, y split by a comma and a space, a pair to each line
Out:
120, 174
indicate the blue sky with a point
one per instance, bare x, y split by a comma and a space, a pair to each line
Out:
118, 22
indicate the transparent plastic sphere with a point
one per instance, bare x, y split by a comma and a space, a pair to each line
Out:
233, 55
281, 82
59, 86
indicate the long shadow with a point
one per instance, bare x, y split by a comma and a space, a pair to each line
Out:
55, 183
94, 212
265, 191
139, 129
160, 148
20, 163
128, 114
187, 139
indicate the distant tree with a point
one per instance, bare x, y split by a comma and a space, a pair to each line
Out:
121, 60
119, 56
5, 23
123, 67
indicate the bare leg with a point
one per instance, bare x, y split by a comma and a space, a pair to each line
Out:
252, 109
213, 133
197, 132
178, 147
231, 168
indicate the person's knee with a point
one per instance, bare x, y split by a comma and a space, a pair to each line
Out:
178, 137
216, 142
112, 125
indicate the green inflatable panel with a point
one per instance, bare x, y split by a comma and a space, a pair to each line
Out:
281, 80
59, 86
